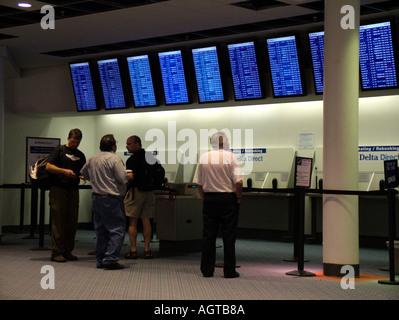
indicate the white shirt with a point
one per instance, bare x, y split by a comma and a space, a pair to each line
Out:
218, 171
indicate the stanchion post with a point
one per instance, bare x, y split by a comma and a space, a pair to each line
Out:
41, 222
301, 229
300, 193
296, 228
22, 207
33, 211
41, 218
295, 231
392, 235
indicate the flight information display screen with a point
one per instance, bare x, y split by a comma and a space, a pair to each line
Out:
207, 74
173, 77
377, 64
141, 81
244, 71
83, 86
111, 84
284, 65
316, 40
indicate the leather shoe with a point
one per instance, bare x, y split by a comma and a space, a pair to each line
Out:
58, 258
207, 275
113, 266
233, 275
70, 256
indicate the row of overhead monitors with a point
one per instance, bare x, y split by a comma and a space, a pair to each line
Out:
169, 77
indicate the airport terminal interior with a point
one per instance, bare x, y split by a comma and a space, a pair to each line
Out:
174, 72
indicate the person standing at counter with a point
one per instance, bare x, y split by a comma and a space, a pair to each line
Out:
65, 163
139, 200
219, 181
108, 177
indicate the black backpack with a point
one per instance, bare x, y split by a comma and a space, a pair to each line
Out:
152, 177
39, 177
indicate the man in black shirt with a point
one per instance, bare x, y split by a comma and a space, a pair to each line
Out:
65, 163
139, 203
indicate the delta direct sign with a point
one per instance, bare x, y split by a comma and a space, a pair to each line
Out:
251, 154
378, 153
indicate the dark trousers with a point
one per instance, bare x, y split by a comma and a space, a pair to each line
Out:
219, 210
64, 207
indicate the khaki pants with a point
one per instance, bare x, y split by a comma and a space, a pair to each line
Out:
64, 209
140, 204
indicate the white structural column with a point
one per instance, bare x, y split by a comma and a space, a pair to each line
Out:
340, 135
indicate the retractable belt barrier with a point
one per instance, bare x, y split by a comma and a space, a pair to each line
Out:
299, 242
34, 208
299, 193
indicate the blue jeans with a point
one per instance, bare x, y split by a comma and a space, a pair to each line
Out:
109, 223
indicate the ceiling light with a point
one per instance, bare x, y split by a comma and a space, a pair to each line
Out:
24, 5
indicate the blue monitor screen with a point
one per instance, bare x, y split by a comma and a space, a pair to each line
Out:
244, 70
316, 40
111, 84
207, 73
83, 86
377, 64
173, 77
141, 81
284, 65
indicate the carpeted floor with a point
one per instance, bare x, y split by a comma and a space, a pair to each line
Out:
171, 276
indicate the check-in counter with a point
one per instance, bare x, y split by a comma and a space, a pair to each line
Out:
267, 215
263, 215
179, 218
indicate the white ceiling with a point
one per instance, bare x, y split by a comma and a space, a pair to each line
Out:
159, 19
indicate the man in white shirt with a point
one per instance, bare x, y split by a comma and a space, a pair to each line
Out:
219, 181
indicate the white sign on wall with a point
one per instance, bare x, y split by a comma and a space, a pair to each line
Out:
250, 155
378, 153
